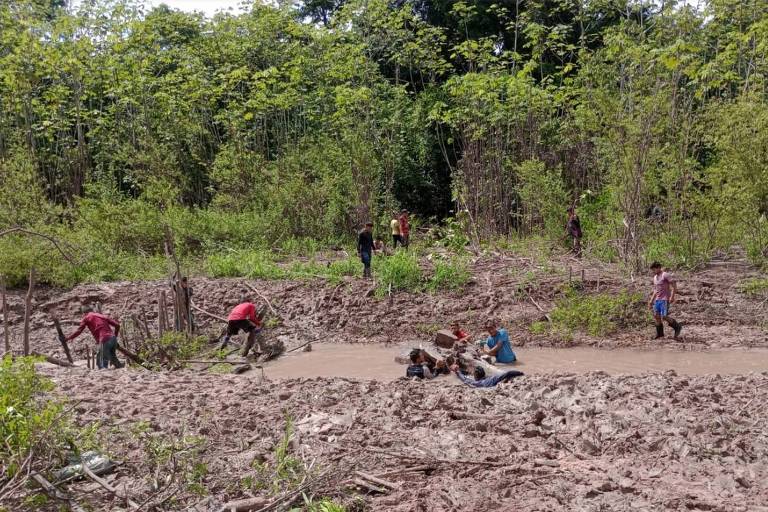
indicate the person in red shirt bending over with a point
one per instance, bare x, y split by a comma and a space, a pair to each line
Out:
101, 329
244, 318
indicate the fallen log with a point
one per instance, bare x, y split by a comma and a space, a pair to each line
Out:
134, 358
53, 360
244, 505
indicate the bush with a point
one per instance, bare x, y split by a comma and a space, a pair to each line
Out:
597, 315
450, 274
754, 287
31, 422
399, 272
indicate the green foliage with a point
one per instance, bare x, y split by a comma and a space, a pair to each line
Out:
321, 505
597, 315
450, 274
400, 271
31, 422
287, 471
754, 287
174, 345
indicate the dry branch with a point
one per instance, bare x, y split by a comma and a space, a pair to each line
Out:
90, 474
206, 313
55, 493
377, 480
41, 235
265, 299
244, 505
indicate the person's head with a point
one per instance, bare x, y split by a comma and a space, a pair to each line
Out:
184, 282
86, 308
491, 326
656, 267
403, 212
479, 373
369, 226
244, 299
455, 325
415, 356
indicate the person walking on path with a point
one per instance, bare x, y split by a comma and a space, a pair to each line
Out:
243, 317
394, 226
573, 229
405, 229
664, 292
101, 330
365, 248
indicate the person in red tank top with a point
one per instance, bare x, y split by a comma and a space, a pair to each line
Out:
101, 330
244, 317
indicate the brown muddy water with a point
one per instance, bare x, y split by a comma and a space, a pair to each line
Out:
378, 362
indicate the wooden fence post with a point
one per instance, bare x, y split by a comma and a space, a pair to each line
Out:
6, 333
28, 309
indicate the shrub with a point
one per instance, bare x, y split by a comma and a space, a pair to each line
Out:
597, 315
32, 424
754, 287
449, 274
399, 272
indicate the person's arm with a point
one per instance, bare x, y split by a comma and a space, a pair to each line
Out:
115, 324
79, 330
673, 295
359, 243
653, 298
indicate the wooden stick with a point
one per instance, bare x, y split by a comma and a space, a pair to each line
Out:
6, 333
134, 358
266, 300
55, 493
438, 460
53, 360
244, 505
414, 469
212, 361
161, 327
365, 485
62, 339
90, 474
540, 309
206, 313
28, 309
377, 480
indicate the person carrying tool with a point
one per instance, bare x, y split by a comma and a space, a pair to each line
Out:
243, 317
101, 330
394, 226
664, 292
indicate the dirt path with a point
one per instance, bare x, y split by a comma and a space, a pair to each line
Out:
556, 442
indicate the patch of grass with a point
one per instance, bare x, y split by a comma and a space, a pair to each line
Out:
427, 328
754, 287
321, 505
450, 274
173, 344
220, 368
286, 472
399, 272
597, 315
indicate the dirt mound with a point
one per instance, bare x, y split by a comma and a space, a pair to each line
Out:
557, 442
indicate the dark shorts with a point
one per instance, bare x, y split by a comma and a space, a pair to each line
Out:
235, 326
365, 257
397, 239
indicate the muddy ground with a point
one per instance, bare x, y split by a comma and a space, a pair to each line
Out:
552, 442
512, 289
557, 442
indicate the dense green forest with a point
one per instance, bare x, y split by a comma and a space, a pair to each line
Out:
286, 127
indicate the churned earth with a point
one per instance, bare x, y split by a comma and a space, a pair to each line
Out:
563, 437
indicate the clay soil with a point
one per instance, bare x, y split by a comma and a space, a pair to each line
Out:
656, 441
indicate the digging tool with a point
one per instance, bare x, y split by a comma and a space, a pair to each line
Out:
62, 339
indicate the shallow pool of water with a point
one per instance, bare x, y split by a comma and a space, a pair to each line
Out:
378, 362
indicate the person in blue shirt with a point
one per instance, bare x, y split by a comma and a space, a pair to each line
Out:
497, 345
481, 381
